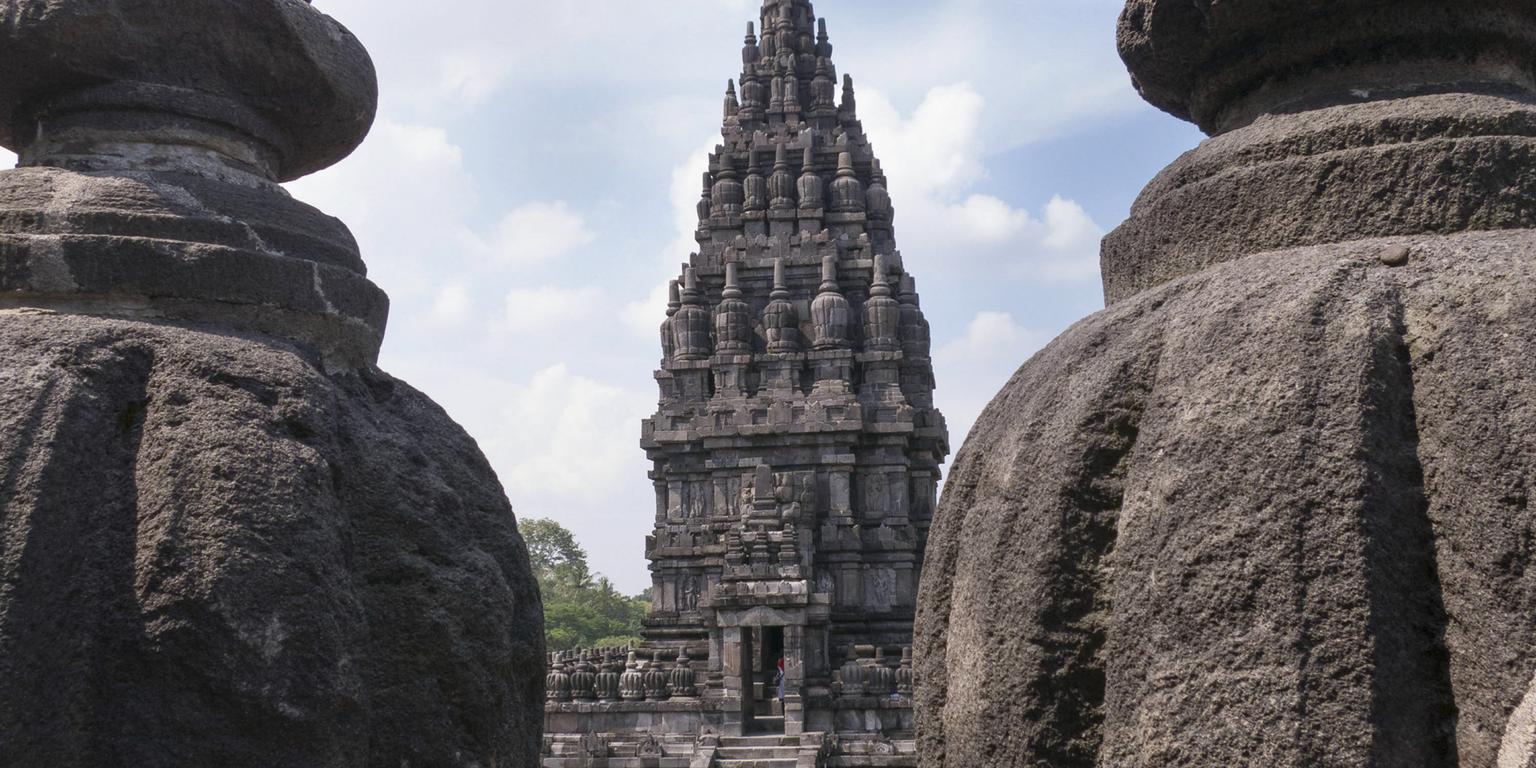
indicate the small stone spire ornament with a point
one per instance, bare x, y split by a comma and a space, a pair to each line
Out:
682, 678
823, 40
756, 187
750, 53
915, 332
781, 321
557, 685
705, 199
727, 195
878, 198
848, 111
809, 185
632, 681
830, 310
882, 314
751, 99
674, 303
733, 319
782, 185
690, 326
732, 106
823, 90
847, 190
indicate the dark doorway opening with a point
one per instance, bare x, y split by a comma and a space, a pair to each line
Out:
767, 644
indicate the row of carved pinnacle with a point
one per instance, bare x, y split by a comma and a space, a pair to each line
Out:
728, 196
890, 323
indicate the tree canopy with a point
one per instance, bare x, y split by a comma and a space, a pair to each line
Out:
580, 610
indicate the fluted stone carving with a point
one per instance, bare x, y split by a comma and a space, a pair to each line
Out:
681, 681
809, 185
727, 196
657, 680
691, 324
584, 679
781, 321
1269, 506
632, 682
674, 303
557, 685
782, 185
229, 538
830, 310
847, 192
882, 314
756, 188
733, 319
851, 675
916, 336
607, 684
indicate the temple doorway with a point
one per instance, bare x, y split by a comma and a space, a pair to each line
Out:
764, 647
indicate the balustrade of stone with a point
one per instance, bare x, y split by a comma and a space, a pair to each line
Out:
587, 675
868, 673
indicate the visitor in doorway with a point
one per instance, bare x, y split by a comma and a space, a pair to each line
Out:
778, 682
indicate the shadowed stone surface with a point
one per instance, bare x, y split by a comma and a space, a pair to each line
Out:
226, 537
1272, 506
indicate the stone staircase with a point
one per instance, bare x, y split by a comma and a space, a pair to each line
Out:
758, 752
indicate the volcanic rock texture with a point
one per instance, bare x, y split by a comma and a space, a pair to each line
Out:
226, 537
1272, 506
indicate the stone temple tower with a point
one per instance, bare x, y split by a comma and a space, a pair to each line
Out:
1272, 507
226, 537
796, 448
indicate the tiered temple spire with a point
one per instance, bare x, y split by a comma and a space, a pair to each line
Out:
796, 448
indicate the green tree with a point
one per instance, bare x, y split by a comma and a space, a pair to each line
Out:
580, 610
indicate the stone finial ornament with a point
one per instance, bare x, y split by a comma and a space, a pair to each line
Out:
1271, 501
781, 321
916, 334
882, 314
691, 324
230, 539
809, 185
733, 318
727, 196
674, 303
847, 191
756, 187
781, 186
830, 311
732, 105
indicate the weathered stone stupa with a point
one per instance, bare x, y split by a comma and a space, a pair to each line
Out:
1272, 507
796, 449
226, 538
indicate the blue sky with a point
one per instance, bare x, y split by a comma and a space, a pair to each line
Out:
529, 188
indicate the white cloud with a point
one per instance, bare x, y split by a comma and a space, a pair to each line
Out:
548, 307
937, 150
934, 158
570, 437
1070, 242
453, 304
974, 367
540, 232
406, 195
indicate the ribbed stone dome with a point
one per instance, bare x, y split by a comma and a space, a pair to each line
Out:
1272, 506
